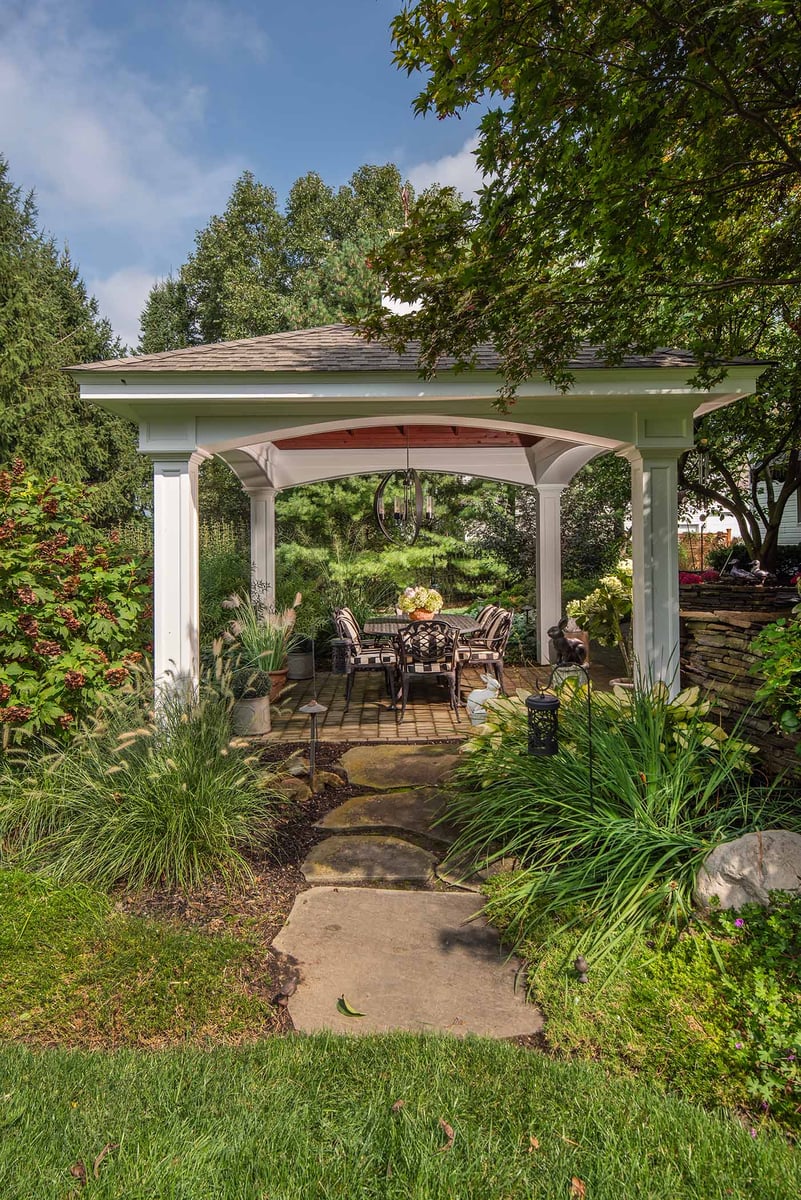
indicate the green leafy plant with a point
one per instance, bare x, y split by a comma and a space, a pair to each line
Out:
712, 1014
762, 984
141, 800
625, 845
603, 612
779, 649
73, 608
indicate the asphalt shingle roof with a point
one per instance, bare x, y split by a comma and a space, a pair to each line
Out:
333, 348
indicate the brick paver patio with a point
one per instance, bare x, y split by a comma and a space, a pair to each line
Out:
429, 716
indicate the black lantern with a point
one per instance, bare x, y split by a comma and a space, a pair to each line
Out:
543, 724
340, 651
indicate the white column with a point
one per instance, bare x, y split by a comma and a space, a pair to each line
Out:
549, 562
176, 616
655, 552
262, 543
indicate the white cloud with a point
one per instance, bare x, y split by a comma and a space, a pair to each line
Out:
106, 148
219, 30
122, 296
453, 170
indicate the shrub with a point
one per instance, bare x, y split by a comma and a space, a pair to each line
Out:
602, 613
224, 568
714, 1013
140, 801
72, 608
667, 786
779, 649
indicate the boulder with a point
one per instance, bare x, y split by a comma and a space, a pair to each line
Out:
746, 870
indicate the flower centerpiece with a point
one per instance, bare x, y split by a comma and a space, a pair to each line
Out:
420, 603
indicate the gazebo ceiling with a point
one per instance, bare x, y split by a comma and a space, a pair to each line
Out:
391, 437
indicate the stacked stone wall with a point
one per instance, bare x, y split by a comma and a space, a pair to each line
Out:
718, 624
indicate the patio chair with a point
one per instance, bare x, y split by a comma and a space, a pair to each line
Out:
484, 618
489, 650
426, 649
364, 654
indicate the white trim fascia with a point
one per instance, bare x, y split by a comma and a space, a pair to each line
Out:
193, 388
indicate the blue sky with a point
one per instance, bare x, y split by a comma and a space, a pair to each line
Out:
132, 121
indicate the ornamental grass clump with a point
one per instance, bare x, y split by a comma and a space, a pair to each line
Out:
668, 785
258, 640
141, 800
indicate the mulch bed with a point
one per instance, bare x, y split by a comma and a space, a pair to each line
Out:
259, 909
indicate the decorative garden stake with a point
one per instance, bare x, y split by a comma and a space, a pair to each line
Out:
314, 710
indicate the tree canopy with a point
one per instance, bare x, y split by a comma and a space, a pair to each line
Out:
257, 269
641, 166
641, 188
47, 322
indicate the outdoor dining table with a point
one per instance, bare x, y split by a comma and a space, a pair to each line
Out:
388, 626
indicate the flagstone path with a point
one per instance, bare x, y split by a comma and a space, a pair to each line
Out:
405, 956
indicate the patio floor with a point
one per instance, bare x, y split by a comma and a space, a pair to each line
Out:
428, 714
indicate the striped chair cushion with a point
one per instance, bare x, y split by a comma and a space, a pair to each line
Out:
482, 654
375, 658
498, 630
428, 668
347, 627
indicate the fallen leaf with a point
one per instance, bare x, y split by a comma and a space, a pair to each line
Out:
533, 1144
449, 1134
78, 1170
398, 1105
109, 1146
346, 1009
577, 1188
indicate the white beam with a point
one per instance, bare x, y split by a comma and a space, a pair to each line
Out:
655, 551
549, 563
176, 615
262, 543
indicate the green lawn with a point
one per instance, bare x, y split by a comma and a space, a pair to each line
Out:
302, 1117
74, 971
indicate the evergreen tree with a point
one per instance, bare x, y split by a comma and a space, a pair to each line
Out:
47, 322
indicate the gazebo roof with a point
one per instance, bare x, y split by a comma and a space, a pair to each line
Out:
337, 348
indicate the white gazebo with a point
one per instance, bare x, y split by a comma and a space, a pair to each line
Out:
316, 404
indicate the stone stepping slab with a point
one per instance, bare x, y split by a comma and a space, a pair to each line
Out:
386, 767
411, 811
368, 858
415, 961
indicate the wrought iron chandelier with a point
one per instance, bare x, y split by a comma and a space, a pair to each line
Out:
411, 508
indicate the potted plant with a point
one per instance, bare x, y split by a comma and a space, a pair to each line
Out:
605, 614
421, 603
311, 619
259, 641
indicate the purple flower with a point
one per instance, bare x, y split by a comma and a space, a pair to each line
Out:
738, 924
738, 1045
752, 1132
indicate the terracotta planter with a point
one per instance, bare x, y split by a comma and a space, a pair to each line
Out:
421, 614
277, 683
251, 718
